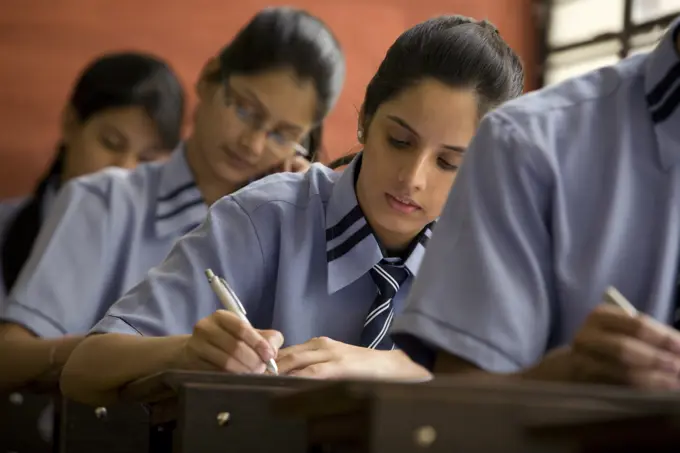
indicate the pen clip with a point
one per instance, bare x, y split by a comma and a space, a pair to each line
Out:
233, 295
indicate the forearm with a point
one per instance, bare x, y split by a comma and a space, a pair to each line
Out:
102, 364
554, 367
25, 358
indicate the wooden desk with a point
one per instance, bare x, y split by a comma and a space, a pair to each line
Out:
212, 412
20, 413
66, 426
473, 416
120, 428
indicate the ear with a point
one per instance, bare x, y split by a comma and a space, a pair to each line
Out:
70, 123
204, 85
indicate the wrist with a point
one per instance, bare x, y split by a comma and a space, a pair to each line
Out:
61, 349
556, 366
402, 367
177, 359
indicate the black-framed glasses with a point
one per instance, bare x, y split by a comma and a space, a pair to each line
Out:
253, 116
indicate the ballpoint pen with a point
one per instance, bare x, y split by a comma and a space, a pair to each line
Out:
613, 297
231, 303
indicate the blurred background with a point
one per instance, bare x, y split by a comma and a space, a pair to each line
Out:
44, 44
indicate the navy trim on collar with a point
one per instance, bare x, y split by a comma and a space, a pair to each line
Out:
351, 246
179, 203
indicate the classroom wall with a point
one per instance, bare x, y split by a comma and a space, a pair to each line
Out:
44, 44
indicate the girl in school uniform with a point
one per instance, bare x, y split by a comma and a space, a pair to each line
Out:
320, 261
125, 108
258, 100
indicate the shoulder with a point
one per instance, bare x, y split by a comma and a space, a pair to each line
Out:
118, 187
574, 101
546, 125
288, 192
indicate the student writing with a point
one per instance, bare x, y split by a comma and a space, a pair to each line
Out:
321, 261
125, 108
258, 100
565, 192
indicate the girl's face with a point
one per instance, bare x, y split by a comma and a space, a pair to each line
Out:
249, 124
413, 148
116, 137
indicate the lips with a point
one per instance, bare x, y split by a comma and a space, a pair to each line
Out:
401, 204
236, 160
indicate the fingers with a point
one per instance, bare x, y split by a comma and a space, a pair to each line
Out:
626, 350
600, 369
302, 359
234, 355
642, 327
298, 164
614, 347
324, 370
212, 358
274, 338
244, 333
287, 165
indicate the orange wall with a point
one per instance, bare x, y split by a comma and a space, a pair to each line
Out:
43, 45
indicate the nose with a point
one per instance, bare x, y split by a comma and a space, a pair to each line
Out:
255, 141
413, 171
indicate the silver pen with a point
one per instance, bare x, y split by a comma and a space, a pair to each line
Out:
231, 303
613, 297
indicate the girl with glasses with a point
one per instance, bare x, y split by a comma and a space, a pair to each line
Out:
258, 100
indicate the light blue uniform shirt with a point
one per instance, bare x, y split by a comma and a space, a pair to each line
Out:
104, 232
295, 249
563, 192
9, 209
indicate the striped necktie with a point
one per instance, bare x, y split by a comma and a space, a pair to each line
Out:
387, 277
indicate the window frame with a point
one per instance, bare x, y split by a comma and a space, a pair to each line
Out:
544, 8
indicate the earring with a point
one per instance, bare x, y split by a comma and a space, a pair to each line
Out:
360, 135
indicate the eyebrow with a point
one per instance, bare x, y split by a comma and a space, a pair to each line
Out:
253, 97
405, 125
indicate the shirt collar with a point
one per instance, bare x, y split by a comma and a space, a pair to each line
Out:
179, 204
49, 196
351, 247
662, 90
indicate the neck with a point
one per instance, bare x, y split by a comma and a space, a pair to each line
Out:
211, 187
394, 244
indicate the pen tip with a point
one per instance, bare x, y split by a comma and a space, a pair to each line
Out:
209, 274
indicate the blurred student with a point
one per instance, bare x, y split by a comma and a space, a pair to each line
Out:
125, 108
258, 100
565, 192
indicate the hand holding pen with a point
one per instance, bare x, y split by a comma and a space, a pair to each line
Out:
226, 341
619, 345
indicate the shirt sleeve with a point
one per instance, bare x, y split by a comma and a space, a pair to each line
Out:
176, 294
485, 290
59, 287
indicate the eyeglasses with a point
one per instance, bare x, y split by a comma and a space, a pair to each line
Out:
250, 114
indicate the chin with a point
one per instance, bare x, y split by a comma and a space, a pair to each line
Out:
398, 225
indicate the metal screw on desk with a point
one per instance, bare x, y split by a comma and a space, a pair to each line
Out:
100, 413
16, 398
223, 418
425, 436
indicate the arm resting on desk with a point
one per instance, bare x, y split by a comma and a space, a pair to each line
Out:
25, 358
555, 366
103, 364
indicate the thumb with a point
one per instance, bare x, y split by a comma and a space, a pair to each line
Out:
274, 338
